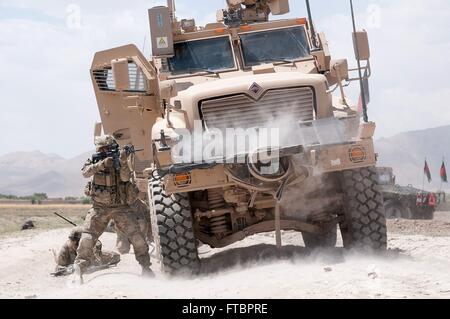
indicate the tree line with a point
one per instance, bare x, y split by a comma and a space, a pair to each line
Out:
38, 198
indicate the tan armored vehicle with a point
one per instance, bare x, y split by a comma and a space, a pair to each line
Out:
242, 133
405, 202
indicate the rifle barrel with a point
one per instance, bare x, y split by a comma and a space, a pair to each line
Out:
67, 220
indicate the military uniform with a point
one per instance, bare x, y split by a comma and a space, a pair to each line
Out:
68, 253
142, 212
113, 194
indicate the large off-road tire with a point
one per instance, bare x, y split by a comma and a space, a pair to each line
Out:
327, 240
173, 231
429, 213
424, 213
363, 222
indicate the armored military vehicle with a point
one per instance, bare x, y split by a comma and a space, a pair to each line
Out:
242, 131
405, 202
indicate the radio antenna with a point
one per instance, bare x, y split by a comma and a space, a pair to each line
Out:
361, 83
313, 31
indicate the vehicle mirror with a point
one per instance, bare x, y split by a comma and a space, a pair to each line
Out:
121, 74
361, 45
168, 89
340, 66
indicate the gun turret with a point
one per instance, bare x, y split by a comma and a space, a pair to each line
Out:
251, 11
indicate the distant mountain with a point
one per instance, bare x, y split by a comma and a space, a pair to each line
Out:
406, 153
25, 173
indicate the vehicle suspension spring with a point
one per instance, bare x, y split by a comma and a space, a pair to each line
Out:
215, 199
219, 225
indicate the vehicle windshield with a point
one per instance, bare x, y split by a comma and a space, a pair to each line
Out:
282, 45
210, 55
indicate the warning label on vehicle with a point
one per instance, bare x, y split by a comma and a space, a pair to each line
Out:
162, 43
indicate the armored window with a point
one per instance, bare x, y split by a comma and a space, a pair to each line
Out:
105, 79
207, 55
280, 45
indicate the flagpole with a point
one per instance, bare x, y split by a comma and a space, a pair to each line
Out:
423, 180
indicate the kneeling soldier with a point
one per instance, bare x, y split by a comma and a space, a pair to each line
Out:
66, 256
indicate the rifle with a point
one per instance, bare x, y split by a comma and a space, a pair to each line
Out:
63, 271
67, 220
114, 153
66, 271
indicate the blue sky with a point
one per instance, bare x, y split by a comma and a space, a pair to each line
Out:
46, 48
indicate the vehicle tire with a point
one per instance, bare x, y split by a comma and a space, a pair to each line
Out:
363, 221
173, 232
393, 209
327, 240
428, 213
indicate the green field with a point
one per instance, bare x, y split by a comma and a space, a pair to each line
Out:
12, 217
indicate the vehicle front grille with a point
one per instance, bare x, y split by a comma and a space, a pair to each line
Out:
275, 106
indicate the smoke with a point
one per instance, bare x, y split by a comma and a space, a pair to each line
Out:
254, 268
226, 136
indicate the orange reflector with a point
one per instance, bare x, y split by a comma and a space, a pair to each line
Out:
182, 179
246, 28
220, 31
302, 21
357, 154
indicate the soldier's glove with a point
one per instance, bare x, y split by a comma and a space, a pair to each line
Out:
108, 162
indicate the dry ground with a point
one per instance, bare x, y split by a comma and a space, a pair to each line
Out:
416, 266
12, 217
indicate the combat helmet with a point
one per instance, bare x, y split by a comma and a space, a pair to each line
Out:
76, 233
104, 141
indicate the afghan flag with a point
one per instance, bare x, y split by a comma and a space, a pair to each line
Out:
444, 173
427, 171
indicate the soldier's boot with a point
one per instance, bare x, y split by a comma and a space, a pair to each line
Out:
77, 277
147, 272
145, 263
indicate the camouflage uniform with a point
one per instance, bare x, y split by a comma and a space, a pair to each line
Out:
68, 253
142, 212
113, 194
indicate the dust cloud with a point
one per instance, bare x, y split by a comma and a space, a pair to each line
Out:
416, 266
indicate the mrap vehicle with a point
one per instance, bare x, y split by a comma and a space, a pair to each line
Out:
244, 73
405, 202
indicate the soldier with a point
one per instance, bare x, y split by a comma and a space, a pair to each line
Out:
66, 257
113, 193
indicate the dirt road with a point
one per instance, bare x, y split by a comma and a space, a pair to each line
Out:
416, 266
